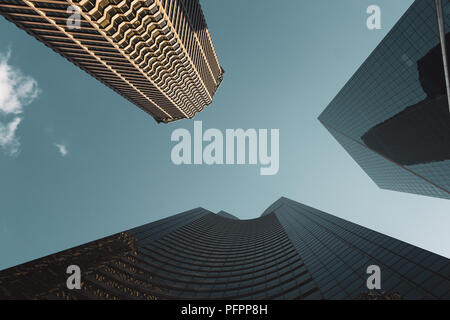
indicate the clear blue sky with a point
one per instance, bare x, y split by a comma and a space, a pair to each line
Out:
284, 63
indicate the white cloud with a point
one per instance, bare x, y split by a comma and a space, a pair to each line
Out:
62, 149
8, 139
16, 91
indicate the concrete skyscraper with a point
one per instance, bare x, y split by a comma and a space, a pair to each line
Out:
158, 54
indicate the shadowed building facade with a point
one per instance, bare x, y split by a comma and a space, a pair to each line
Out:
158, 54
291, 252
393, 116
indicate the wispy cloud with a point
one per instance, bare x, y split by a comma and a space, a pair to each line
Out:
8, 139
62, 149
16, 91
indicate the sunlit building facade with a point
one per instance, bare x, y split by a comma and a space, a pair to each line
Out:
158, 54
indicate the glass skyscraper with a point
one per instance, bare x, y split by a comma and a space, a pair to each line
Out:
392, 116
291, 251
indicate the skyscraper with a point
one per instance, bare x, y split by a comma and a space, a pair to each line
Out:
393, 116
158, 54
291, 251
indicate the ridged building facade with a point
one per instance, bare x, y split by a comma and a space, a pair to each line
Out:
158, 54
392, 116
291, 251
